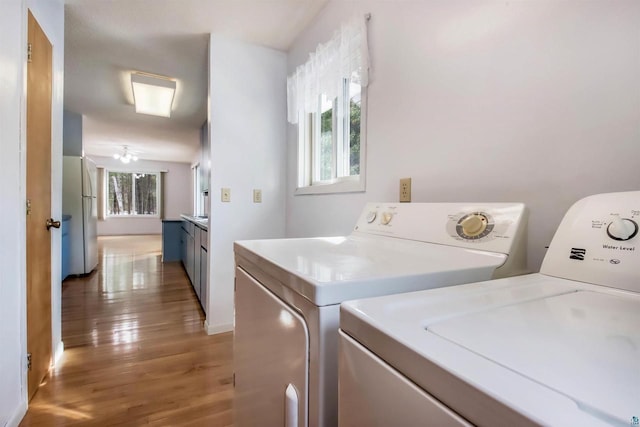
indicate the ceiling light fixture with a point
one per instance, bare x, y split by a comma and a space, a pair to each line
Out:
125, 157
153, 94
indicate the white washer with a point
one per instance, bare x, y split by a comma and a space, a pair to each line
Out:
560, 347
288, 293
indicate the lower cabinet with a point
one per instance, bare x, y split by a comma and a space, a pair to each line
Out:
171, 233
204, 289
190, 257
193, 249
196, 263
187, 241
183, 247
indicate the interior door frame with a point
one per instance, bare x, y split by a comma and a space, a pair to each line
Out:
51, 19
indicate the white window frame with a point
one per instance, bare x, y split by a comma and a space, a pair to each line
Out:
133, 201
308, 135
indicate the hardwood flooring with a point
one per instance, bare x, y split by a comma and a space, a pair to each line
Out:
135, 349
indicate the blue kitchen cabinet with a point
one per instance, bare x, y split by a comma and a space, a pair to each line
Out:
192, 251
204, 267
171, 238
188, 246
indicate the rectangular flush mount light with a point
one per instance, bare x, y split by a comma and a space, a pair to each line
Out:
153, 94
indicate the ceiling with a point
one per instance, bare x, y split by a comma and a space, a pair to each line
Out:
105, 40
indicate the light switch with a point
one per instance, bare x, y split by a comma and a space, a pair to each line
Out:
225, 195
257, 196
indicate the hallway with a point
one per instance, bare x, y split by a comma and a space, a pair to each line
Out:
135, 349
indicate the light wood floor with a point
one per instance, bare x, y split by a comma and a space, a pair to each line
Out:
135, 350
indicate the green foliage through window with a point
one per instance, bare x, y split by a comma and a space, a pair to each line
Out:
326, 144
354, 137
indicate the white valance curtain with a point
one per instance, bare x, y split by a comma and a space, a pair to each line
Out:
345, 56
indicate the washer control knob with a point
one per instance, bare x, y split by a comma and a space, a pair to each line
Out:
371, 216
386, 218
474, 225
622, 228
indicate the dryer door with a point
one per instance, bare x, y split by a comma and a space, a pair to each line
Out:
270, 352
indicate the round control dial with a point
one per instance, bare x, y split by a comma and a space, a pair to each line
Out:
386, 218
371, 216
622, 228
474, 226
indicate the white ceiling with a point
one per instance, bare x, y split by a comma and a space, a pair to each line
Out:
107, 39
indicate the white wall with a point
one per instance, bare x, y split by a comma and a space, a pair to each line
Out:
13, 29
178, 197
248, 150
12, 279
72, 134
532, 101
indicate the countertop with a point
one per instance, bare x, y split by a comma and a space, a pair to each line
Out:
199, 221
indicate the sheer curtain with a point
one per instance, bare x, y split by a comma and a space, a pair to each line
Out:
345, 56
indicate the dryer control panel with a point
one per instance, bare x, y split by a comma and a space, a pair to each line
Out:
483, 226
598, 241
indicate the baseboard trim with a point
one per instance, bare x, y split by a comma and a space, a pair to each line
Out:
58, 353
18, 415
217, 329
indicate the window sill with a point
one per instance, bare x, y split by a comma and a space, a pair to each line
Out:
353, 184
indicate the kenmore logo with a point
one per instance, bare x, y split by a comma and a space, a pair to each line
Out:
577, 253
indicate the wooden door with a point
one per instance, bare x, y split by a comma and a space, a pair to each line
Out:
39, 74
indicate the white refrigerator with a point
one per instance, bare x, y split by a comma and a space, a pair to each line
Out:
79, 199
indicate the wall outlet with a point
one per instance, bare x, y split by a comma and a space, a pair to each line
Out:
225, 195
405, 190
257, 196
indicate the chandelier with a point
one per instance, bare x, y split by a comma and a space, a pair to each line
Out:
125, 157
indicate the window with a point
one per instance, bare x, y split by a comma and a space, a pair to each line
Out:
331, 138
326, 98
133, 194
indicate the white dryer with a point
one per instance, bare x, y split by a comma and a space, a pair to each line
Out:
288, 293
558, 348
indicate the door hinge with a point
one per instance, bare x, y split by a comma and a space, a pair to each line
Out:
29, 361
234, 380
28, 206
29, 52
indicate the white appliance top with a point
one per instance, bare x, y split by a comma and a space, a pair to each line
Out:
334, 269
398, 247
559, 352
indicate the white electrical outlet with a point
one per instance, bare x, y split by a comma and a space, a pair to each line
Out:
405, 190
257, 196
225, 195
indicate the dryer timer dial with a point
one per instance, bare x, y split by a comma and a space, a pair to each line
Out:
386, 218
622, 228
474, 226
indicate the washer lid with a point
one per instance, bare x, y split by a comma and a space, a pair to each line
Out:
515, 351
584, 345
331, 270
